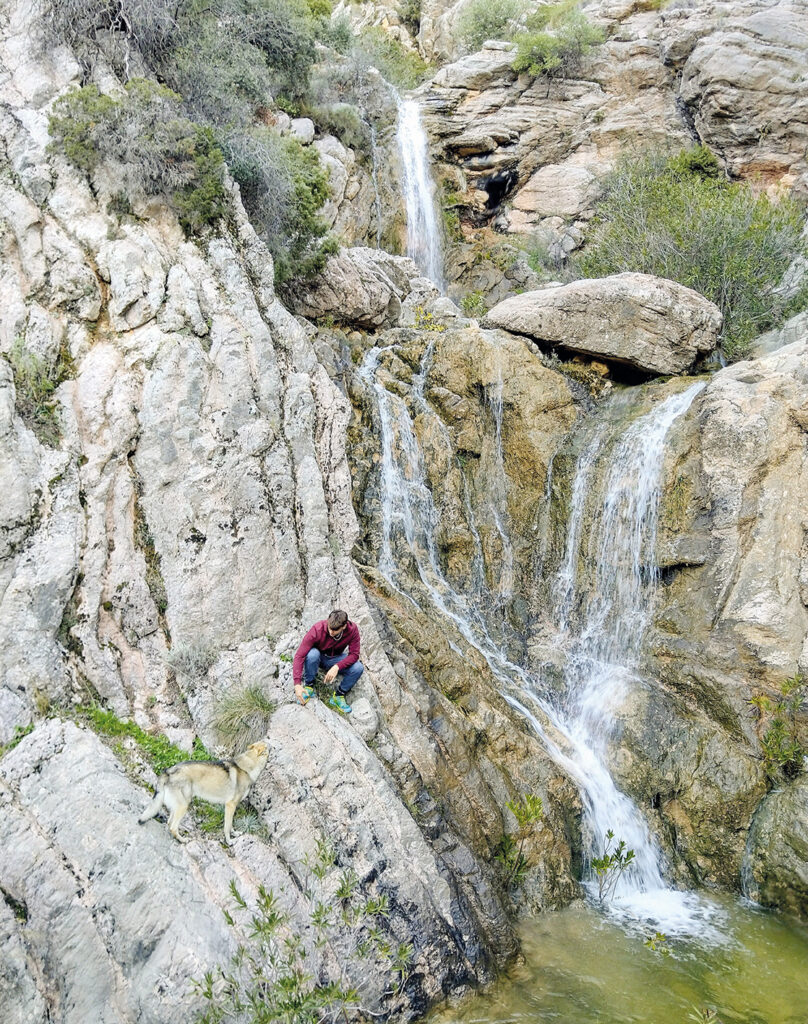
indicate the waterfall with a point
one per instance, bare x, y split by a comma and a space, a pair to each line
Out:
600, 626
423, 230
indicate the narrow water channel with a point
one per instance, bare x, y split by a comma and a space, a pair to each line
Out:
582, 968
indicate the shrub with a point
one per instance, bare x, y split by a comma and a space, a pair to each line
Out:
681, 219
558, 36
783, 754
35, 383
157, 149
610, 865
267, 975
242, 717
283, 186
487, 19
402, 67
528, 811
474, 305
192, 660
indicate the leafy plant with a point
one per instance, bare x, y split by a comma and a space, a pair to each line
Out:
425, 321
610, 866
487, 19
156, 148
704, 1015
20, 732
242, 716
266, 981
474, 305
528, 810
680, 218
558, 36
658, 943
783, 754
192, 660
35, 383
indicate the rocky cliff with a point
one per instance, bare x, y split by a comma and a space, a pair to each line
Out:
215, 473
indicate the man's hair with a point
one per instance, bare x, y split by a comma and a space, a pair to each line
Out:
337, 619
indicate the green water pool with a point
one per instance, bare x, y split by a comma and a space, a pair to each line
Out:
750, 967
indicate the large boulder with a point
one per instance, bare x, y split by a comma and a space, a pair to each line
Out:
361, 287
645, 322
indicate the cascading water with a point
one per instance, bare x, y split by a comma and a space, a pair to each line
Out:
601, 634
423, 231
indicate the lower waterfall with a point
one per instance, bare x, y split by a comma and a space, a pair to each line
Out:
599, 627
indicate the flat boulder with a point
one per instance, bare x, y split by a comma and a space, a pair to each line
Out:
651, 324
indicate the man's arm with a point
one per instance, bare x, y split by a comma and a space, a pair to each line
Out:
306, 644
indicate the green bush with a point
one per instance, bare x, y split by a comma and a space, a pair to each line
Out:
558, 36
157, 149
487, 19
35, 383
679, 218
402, 67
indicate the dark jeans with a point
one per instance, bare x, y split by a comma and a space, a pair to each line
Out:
315, 660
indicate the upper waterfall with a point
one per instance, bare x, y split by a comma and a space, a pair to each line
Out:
424, 244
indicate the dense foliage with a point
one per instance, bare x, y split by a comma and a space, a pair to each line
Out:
487, 19
225, 65
680, 218
557, 37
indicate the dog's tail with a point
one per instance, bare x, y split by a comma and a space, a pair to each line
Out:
154, 807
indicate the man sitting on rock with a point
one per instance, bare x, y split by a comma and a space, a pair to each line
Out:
324, 647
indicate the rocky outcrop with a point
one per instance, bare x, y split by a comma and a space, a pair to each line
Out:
652, 325
362, 288
776, 870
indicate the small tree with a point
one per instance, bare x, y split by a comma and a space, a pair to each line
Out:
558, 36
487, 19
610, 866
528, 810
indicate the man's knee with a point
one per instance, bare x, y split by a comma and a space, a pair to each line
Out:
351, 675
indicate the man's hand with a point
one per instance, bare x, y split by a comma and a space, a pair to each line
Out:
331, 675
299, 693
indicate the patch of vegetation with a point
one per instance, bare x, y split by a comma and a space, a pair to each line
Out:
557, 37
157, 149
402, 67
35, 383
528, 810
680, 218
474, 305
159, 751
410, 13
425, 321
20, 732
193, 660
783, 754
658, 943
610, 865
144, 540
268, 976
242, 716
225, 65
488, 19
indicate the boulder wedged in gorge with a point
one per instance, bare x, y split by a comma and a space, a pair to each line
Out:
650, 324
361, 287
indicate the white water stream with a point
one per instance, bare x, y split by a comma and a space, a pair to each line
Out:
423, 228
600, 624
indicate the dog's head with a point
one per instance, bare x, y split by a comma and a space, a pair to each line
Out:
259, 752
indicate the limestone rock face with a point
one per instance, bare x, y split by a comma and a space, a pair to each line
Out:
359, 287
653, 325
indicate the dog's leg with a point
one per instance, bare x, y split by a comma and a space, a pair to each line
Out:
176, 816
154, 807
229, 811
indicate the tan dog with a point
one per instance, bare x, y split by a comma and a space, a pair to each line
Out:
220, 782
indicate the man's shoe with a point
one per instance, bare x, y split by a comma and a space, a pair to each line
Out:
308, 693
340, 703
